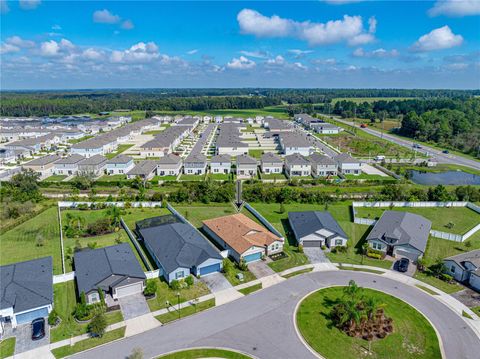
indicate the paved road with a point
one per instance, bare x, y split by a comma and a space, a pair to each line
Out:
262, 323
441, 157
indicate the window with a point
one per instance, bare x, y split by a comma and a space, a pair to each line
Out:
377, 246
180, 274
338, 242
452, 269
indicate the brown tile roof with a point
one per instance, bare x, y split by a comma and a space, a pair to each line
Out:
240, 232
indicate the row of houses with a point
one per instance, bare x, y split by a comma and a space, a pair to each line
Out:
317, 125
165, 142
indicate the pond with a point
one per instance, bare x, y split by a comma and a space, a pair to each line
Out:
445, 178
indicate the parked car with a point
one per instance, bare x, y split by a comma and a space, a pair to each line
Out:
417, 146
363, 125
38, 328
446, 151
403, 265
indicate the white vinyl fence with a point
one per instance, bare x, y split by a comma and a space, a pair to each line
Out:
71, 204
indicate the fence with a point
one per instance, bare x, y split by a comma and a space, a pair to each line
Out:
263, 220
136, 244
61, 278
434, 233
152, 274
71, 204
179, 216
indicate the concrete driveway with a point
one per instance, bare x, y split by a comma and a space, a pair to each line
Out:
260, 269
133, 306
411, 267
24, 342
315, 255
216, 282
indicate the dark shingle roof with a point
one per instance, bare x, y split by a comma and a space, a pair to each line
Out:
472, 257
308, 222
45, 160
178, 245
318, 159
120, 159
270, 157
26, 285
95, 265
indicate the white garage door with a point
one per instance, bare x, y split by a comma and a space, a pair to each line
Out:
129, 290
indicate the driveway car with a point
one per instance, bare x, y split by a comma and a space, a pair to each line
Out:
403, 265
38, 328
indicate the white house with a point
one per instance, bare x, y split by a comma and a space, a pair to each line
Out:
43, 165
195, 164
348, 165
169, 165
322, 166
270, 163
297, 165
119, 165
220, 164
246, 166
67, 166
295, 142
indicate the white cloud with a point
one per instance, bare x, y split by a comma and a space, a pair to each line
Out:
56, 27
378, 53
49, 48
455, 8
437, 39
4, 7
256, 54
299, 53
92, 54
192, 52
6, 48
138, 53
350, 29
66, 44
105, 17
241, 63
330, 61
278, 60
127, 25
19, 42
29, 4
299, 65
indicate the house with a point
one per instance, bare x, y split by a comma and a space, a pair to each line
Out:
119, 165
114, 270
169, 165
43, 166
94, 165
316, 229
277, 125
465, 268
144, 169
271, 163
221, 164
195, 164
246, 166
244, 238
297, 165
326, 128
178, 249
322, 166
228, 140
348, 165
400, 233
67, 166
26, 291
294, 142
99, 145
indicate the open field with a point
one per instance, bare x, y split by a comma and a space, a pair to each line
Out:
38, 237
55, 178
275, 111
412, 337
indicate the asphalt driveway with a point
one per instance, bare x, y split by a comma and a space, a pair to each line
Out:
315, 255
216, 282
260, 269
133, 306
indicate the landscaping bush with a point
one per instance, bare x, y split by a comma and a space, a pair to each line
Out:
175, 284
150, 288
98, 325
99, 227
227, 266
373, 253
300, 248
243, 265
53, 317
446, 277
189, 280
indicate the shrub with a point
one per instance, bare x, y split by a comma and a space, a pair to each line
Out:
189, 280
175, 284
81, 312
53, 317
150, 288
243, 265
227, 266
101, 295
300, 248
324, 247
98, 325
99, 227
446, 277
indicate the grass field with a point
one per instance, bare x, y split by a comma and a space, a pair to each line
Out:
38, 237
165, 293
204, 353
163, 178
113, 178
219, 176
298, 272
7, 347
275, 111
86, 344
273, 176
367, 177
55, 178
413, 336
184, 312
65, 300
463, 218
120, 149
195, 178
255, 153
78, 140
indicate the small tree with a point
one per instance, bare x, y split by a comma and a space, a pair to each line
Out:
282, 209
175, 284
53, 317
102, 295
83, 298
98, 325
150, 288
189, 280
137, 353
300, 248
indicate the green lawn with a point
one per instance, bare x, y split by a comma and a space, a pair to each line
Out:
232, 275
195, 178
55, 178
273, 176
22, 243
463, 218
195, 213
364, 176
163, 178
219, 176
251, 289
65, 300
86, 344
438, 283
204, 353
298, 272
367, 270
120, 149
413, 336
7, 347
184, 312
112, 178
255, 153
165, 293
78, 140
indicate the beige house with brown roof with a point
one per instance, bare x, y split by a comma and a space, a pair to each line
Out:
242, 237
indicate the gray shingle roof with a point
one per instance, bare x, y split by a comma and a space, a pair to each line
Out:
143, 168
120, 159
308, 222
169, 159
43, 160
296, 159
318, 159
93, 161
399, 228
221, 159
345, 158
73, 159
196, 158
178, 245
472, 256
270, 157
246, 160
93, 266
26, 285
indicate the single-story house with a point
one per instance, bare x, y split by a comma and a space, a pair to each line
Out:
119, 165
244, 238
325, 128
195, 164
271, 163
67, 166
94, 165
465, 268
145, 169
347, 164
43, 165
26, 291
178, 249
316, 229
297, 165
400, 233
113, 269
221, 164
246, 166
169, 165
322, 166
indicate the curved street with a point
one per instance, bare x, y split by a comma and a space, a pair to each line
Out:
262, 323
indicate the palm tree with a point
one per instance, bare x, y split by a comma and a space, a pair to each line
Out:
352, 291
370, 307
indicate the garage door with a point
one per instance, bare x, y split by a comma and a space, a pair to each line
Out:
210, 269
253, 257
29, 316
129, 290
412, 256
312, 243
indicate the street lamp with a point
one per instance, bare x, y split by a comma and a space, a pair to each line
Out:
178, 301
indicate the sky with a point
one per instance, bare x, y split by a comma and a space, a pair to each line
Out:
314, 44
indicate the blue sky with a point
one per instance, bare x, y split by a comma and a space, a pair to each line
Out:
331, 43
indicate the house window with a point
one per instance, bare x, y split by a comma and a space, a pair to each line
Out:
452, 269
180, 274
377, 246
338, 242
